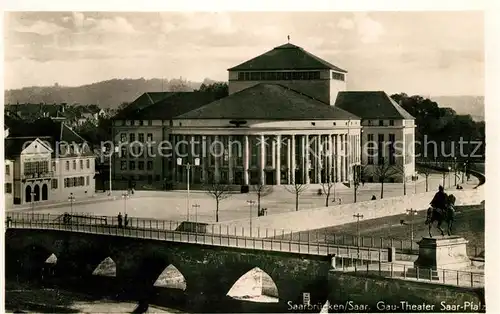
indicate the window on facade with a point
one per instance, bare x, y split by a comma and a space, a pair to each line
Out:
140, 165
280, 76
150, 165
54, 183
370, 149
88, 163
141, 122
391, 122
8, 188
392, 150
141, 137
123, 152
36, 167
380, 150
67, 165
74, 164
123, 165
338, 76
53, 166
88, 181
123, 137
381, 122
150, 137
131, 165
132, 137
123, 122
7, 170
370, 122
75, 181
150, 122
82, 181
81, 164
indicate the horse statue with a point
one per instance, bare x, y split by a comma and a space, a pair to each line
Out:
447, 215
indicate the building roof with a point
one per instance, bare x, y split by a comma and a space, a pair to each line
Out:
172, 105
55, 132
143, 101
268, 102
371, 105
286, 57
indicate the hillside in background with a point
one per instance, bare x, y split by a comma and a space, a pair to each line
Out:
473, 105
112, 93
106, 94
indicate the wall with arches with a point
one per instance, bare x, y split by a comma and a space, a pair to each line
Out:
209, 271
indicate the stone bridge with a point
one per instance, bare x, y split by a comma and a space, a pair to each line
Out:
209, 271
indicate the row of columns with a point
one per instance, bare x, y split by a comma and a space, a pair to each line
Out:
319, 156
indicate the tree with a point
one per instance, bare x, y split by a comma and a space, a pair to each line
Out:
400, 169
297, 189
327, 187
426, 172
358, 175
261, 190
219, 191
383, 170
220, 89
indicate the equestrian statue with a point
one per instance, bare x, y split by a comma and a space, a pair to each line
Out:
442, 209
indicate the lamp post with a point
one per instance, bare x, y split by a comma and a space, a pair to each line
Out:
196, 206
125, 196
358, 217
449, 178
251, 202
455, 168
411, 212
444, 176
188, 171
416, 177
33, 205
464, 173
71, 199
115, 150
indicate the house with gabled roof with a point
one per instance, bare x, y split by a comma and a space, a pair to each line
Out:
48, 161
288, 119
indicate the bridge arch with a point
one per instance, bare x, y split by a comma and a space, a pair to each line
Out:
255, 286
106, 268
30, 261
171, 278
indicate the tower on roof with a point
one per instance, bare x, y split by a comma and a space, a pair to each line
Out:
293, 67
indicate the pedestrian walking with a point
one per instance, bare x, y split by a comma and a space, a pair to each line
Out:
374, 197
362, 182
120, 220
126, 220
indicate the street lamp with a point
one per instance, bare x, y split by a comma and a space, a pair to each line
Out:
455, 168
33, 205
358, 216
251, 202
464, 173
125, 196
411, 212
196, 206
188, 170
449, 178
416, 177
115, 150
71, 198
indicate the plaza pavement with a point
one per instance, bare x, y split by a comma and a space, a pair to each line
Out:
172, 205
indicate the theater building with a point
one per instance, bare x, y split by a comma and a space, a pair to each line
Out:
282, 123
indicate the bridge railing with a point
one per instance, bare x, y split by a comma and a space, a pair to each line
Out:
402, 246
453, 277
267, 244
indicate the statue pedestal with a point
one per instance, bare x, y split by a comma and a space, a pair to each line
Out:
443, 252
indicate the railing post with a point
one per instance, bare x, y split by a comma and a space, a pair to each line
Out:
444, 278
458, 278
266, 233
472, 279
392, 270
419, 274
404, 271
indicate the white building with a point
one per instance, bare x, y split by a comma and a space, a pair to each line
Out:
289, 113
48, 168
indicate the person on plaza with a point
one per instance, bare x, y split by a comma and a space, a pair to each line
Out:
362, 182
439, 201
126, 220
120, 220
374, 197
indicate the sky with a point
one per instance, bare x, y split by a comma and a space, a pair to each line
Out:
425, 53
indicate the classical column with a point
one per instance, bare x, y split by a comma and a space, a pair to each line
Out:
203, 158
291, 164
278, 159
318, 151
288, 159
307, 162
339, 158
217, 152
262, 158
246, 156
230, 161
329, 169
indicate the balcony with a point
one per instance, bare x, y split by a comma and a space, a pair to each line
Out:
36, 175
